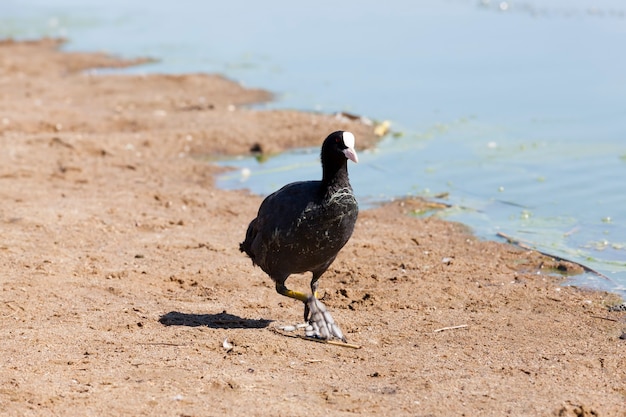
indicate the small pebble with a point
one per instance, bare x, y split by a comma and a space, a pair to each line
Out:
227, 345
288, 328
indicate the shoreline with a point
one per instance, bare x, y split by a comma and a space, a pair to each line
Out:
111, 227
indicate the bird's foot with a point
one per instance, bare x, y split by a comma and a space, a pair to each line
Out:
321, 323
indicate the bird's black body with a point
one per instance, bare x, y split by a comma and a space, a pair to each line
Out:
302, 226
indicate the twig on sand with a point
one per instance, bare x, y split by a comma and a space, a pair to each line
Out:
526, 246
336, 343
162, 344
460, 326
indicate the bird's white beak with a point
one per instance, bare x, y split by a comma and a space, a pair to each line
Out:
350, 153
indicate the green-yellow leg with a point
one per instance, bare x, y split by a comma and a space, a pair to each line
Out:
283, 290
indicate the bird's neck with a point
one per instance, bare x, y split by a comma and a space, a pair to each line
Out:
335, 174
335, 177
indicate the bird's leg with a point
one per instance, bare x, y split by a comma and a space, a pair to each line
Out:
322, 323
297, 295
283, 290
307, 310
314, 285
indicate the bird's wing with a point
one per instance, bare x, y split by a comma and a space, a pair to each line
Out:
283, 207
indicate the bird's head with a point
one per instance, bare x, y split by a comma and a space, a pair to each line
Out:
339, 144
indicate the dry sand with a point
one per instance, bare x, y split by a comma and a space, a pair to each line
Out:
121, 276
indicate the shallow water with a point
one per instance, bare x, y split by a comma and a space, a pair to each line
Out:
515, 109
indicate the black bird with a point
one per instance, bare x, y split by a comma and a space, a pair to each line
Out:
302, 227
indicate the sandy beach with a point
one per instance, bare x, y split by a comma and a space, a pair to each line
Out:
121, 275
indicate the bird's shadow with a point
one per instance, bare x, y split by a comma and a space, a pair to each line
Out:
221, 320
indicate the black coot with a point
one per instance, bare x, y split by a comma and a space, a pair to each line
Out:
302, 227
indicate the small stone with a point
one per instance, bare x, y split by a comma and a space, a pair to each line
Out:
227, 345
